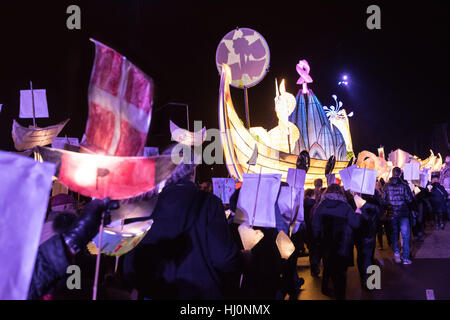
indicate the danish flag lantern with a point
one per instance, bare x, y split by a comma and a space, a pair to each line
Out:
120, 105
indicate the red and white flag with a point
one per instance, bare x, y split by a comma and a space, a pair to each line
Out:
120, 105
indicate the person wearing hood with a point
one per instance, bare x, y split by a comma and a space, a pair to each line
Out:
189, 252
397, 199
333, 225
62, 249
438, 202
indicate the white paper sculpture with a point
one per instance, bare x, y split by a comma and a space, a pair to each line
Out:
224, 188
411, 171
40, 104
363, 180
285, 245
296, 178
424, 177
256, 203
290, 203
249, 236
24, 193
346, 176
360, 202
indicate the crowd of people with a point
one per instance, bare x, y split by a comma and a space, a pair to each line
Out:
194, 251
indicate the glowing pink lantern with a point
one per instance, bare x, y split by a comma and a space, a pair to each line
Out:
303, 70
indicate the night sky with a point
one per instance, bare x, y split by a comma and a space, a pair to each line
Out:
399, 74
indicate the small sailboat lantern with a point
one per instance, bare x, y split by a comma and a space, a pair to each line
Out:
33, 104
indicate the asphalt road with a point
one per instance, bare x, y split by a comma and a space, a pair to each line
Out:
430, 271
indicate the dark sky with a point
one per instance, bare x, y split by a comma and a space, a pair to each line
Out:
399, 74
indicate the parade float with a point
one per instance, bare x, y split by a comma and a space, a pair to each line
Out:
242, 57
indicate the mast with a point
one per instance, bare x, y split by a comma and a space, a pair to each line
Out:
32, 103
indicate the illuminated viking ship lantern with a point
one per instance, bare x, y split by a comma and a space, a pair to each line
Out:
309, 120
33, 104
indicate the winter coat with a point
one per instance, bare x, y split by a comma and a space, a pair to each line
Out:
50, 267
333, 224
438, 198
188, 252
371, 211
397, 198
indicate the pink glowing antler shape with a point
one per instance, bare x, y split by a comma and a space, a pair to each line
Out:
303, 70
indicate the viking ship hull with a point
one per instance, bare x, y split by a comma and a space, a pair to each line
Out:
28, 138
238, 145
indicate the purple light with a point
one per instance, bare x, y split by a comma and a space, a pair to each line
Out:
344, 77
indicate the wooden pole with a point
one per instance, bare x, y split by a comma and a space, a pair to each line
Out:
256, 198
32, 103
247, 116
97, 264
187, 117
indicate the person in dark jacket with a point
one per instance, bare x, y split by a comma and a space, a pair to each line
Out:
314, 256
423, 205
438, 202
365, 235
397, 199
61, 250
189, 252
333, 224
264, 262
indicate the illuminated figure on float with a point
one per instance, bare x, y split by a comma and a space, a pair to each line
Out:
283, 137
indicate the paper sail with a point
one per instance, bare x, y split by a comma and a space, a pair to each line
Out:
290, 203
118, 240
101, 176
424, 177
296, 177
256, 203
416, 190
346, 176
60, 142
151, 151
28, 138
185, 137
24, 189
40, 104
120, 105
284, 245
411, 171
249, 236
360, 202
363, 181
331, 179
224, 188
247, 54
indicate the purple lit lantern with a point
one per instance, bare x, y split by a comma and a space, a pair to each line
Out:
247, 54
